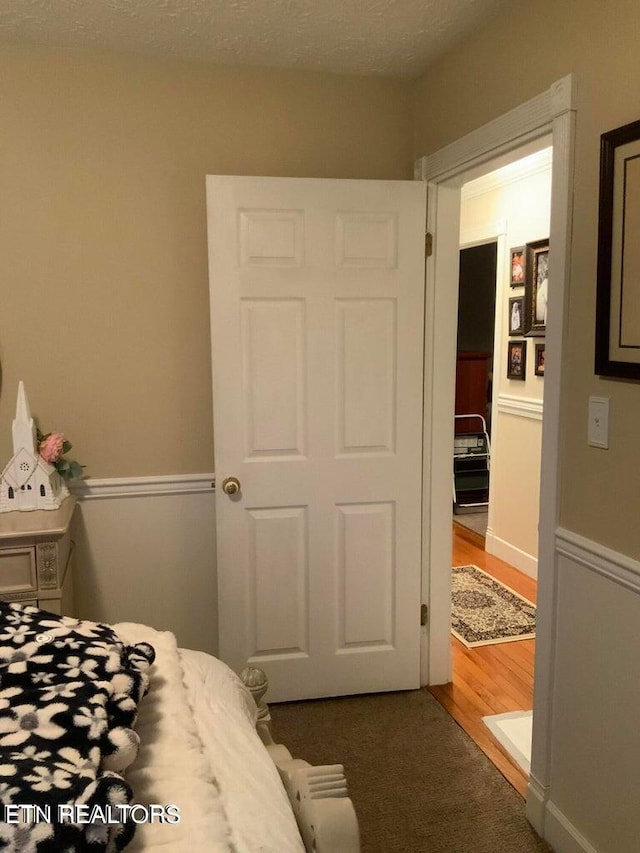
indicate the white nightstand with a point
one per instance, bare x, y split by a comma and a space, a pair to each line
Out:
36, 554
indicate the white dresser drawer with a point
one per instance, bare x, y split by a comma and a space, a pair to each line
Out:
36, 557
17, 572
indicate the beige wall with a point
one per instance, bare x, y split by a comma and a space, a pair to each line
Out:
104, 310
517, 56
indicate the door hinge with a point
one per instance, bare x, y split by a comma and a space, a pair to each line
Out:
424, 614
428, 244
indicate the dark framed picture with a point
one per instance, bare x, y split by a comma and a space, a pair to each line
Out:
516, 359
536, 286
518, 264
516, 315
539, 363
618, 292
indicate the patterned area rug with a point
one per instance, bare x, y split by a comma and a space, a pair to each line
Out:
485, 611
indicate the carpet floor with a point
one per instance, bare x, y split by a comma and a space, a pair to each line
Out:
418, 783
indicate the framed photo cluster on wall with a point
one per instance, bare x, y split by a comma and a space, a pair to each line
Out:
529, 268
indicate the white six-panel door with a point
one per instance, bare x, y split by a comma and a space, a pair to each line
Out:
317, 291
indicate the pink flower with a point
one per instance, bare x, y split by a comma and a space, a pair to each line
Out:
51, 448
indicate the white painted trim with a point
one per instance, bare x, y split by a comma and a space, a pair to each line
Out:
482, 234
552, 111
535, 164
561, 222
522, 407
605, 562
562, 835
509, 131
131, 487
536, 802
510, 554
441, 311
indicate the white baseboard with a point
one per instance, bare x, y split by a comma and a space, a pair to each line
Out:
551, 824
510, 554
536, 801
562, 835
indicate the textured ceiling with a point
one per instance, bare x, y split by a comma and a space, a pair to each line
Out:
371, 37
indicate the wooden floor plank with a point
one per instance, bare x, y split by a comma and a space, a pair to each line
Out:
490, 679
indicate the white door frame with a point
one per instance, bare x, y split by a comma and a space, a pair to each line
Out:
551, 112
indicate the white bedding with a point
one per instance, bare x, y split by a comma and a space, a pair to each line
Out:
253, 796
200, 751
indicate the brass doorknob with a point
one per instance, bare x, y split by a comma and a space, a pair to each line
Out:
231, 486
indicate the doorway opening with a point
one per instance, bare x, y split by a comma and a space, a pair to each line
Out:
552, 112
497, 450
474, 381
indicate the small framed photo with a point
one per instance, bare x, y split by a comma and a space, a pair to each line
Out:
516, 316
518, 263
516, 360
539, 363
536, 285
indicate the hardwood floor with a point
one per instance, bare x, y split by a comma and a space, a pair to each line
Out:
490, 679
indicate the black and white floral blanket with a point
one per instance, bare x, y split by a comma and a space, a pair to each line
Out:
69, 691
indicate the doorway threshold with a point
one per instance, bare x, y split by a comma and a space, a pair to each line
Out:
472, 526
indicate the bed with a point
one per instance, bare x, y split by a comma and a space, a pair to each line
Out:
158, 749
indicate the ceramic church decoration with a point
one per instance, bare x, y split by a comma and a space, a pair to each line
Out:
34, 477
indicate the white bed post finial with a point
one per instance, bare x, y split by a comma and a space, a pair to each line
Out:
318, 795
257, 683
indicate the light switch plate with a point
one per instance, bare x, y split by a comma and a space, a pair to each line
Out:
598, 428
